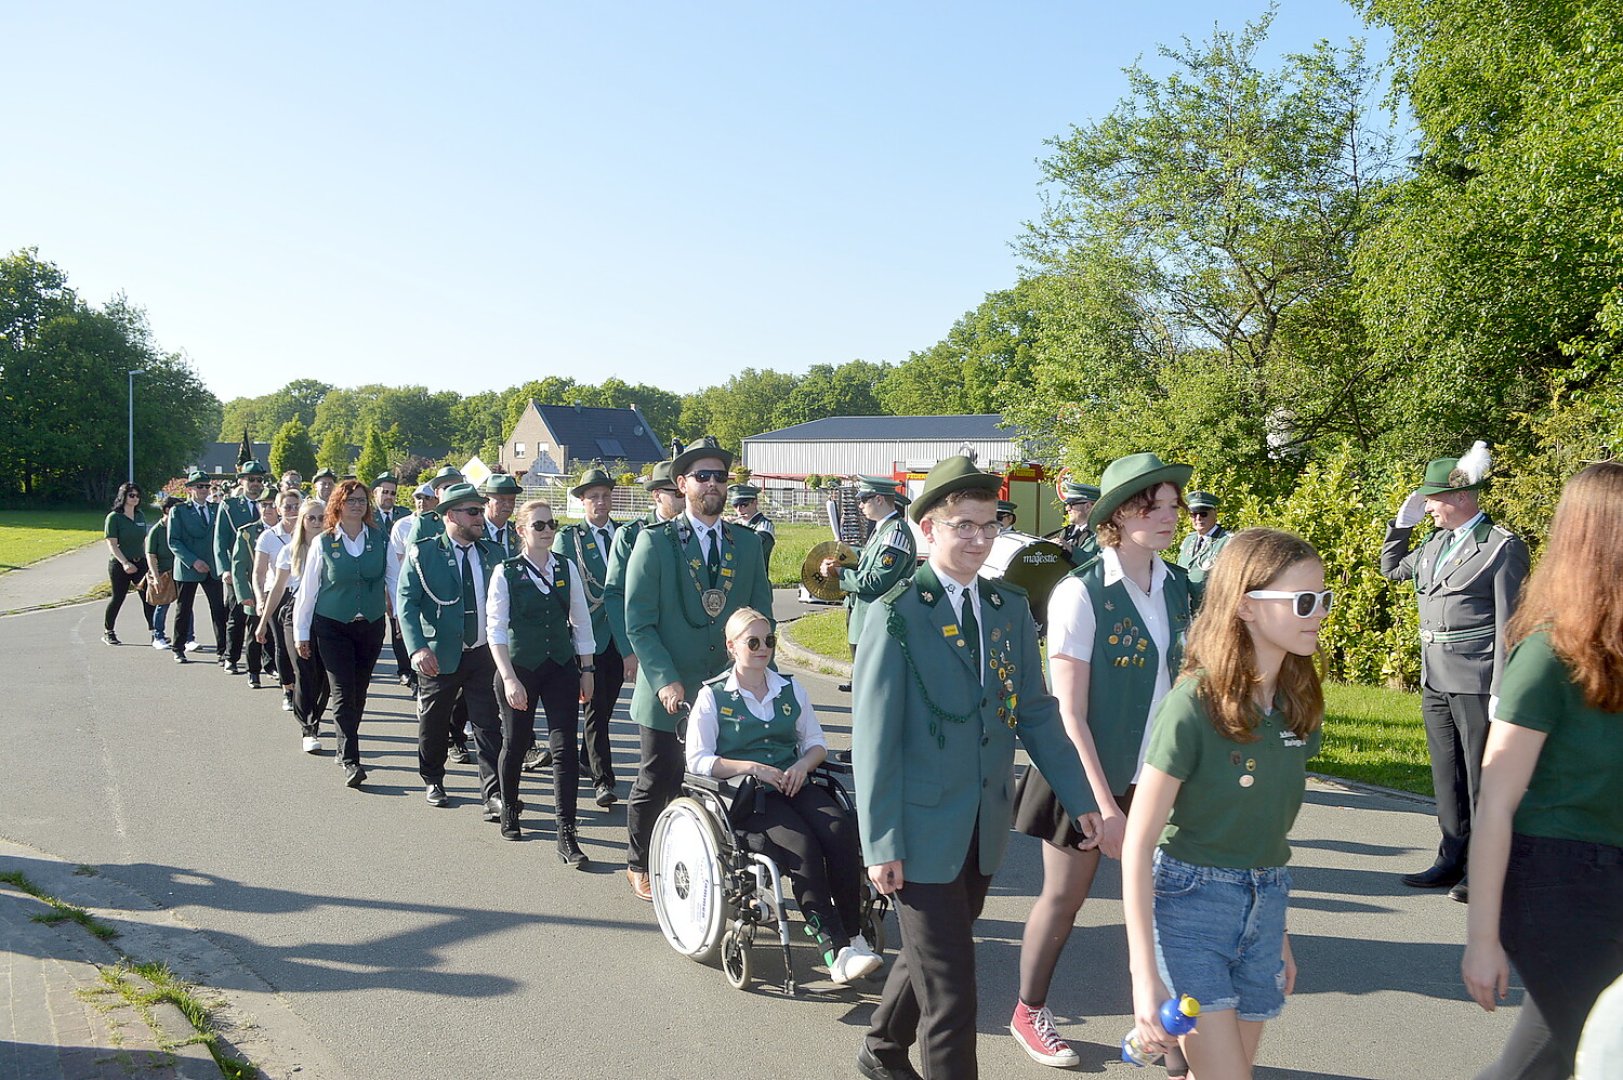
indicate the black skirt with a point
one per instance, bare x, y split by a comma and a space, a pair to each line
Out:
1038, 811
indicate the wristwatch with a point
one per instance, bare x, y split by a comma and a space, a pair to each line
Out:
587, 669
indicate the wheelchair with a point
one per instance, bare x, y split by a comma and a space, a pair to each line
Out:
712, 895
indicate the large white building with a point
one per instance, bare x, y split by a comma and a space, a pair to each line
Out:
876, 445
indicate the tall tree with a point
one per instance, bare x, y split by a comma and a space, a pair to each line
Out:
985, 360
374, 457
826, 390
291, 448
334, 452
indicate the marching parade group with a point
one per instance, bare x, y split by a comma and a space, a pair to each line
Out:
1171, 730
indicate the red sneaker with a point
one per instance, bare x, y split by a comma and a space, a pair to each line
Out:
1034, 1030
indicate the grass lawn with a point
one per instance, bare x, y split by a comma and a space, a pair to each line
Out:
794, 541
28, 536
1372, 735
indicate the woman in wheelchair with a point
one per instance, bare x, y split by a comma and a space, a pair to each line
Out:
752, 722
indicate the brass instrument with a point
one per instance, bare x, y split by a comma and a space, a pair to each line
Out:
826, 588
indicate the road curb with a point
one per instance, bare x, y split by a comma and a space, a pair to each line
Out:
805, 660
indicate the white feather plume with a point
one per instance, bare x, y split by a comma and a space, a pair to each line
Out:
1476, 462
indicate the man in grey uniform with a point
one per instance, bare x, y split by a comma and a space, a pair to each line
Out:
1467, 575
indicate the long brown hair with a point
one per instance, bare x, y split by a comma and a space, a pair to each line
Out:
1221, 652
335, 504
1576, 593
1136, 505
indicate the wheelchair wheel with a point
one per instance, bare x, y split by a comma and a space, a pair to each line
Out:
735, 959
687, 878
873, 929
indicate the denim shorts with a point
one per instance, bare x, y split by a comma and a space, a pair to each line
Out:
1219, 935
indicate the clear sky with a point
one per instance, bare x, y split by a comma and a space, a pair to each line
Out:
467, 196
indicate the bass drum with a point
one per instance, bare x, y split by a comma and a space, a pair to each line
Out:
1030, 562
687, 879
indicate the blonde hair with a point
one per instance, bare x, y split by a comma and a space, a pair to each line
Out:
741, 620
1221, 653
523, 513
1577, 591
303, 535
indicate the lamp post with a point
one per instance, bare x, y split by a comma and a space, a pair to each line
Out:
132, 375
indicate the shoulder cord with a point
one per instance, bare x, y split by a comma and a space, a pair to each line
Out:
417, 558
681, 562
594, 600
897, 627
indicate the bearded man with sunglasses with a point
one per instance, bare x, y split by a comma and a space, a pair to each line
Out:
684, 580
1467, 575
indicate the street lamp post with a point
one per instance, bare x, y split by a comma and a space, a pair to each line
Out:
132, 375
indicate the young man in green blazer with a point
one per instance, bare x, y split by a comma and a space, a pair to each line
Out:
440, 598
234, 513
684, 579
590, 546
191, 539
947, 676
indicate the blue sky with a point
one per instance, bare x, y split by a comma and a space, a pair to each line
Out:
469, 196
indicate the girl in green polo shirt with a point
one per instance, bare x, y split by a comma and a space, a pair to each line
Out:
1547, 841
1204, 884
126, 532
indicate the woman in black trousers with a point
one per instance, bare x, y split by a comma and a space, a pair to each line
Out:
309, 678
126, 534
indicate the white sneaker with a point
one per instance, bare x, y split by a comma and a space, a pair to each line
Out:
287, 704
850, 964
192, 646
312, 745
160, 644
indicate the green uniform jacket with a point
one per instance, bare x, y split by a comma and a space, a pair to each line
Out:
229, 516
923, 782
769, 537
430, 574
242, 559
1082, 544
888, 558
396, 512
614, 584
672, 637
1201, 565
575, 543
428, 523
159, 558
191, 537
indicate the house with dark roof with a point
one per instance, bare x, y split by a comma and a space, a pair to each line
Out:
549, 439
878, 445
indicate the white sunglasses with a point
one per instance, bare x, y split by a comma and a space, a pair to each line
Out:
1305, 604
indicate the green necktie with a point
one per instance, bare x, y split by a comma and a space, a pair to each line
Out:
470, 604
713, 560
971, 630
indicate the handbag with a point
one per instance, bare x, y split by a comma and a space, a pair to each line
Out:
161, 588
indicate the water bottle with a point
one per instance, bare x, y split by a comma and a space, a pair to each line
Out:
1177, 1016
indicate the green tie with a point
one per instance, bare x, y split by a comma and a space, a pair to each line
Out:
971, 630
713, 560
470, 604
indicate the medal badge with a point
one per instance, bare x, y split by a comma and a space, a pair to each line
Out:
714, 600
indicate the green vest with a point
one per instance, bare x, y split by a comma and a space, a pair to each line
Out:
537, 623
1124, 664
743, 736
351, 585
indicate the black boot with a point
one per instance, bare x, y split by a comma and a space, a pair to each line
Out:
569, 851
510, 829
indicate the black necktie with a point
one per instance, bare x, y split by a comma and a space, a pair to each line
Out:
603, 543
971, 630
713, 559
470, 604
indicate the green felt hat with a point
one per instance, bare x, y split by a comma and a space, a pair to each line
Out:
742, 493
1201, 500
1443, 477
269, 495
194, 477
704, 447
501, 484
596, 476
459, 495
324, 474
956, 473
1071, 491
882, 485
1127, 476
252, 468
450, 474
660, 478
1004, 506
385, 477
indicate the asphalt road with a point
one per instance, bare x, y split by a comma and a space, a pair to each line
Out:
415, 943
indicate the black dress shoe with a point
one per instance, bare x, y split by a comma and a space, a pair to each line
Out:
253, 680
435, 794
1461, 893
874, 1069
510, 829
1436, 876
844, 688
354, 775
493, 808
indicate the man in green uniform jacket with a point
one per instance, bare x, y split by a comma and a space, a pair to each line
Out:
888, 557
233, 514
667, 504
385, 493
683, 580
590, 546
1077, 536
501, 494
1199, 550
191, 538
948, 674
746, 500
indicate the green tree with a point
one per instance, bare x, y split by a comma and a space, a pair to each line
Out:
826, 390
270, 411
291, 448
374, 457
984, 361
334, 452
742, 406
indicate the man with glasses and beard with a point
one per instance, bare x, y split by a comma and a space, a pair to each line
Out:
441, 601
684, 580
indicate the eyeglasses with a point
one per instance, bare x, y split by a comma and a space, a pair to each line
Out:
866, 495
752, 643
355, 500
709, 476
969, 530
1305, 604
545, 524
1072, 504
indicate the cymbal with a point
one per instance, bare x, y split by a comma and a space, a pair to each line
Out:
825, 588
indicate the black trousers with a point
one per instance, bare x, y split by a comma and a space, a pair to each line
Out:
309, 677
402, 658
349, 650
556, 688
122, 583
237, 620
595, 746
1456, 735
815, 843
930, 994
437, 697
186, 595
659, 780
1562, 925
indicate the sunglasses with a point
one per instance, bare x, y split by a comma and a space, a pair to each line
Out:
709, 476
1072, 504
1200, 513
545, 524
1305, 604
471, 511
752, 642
